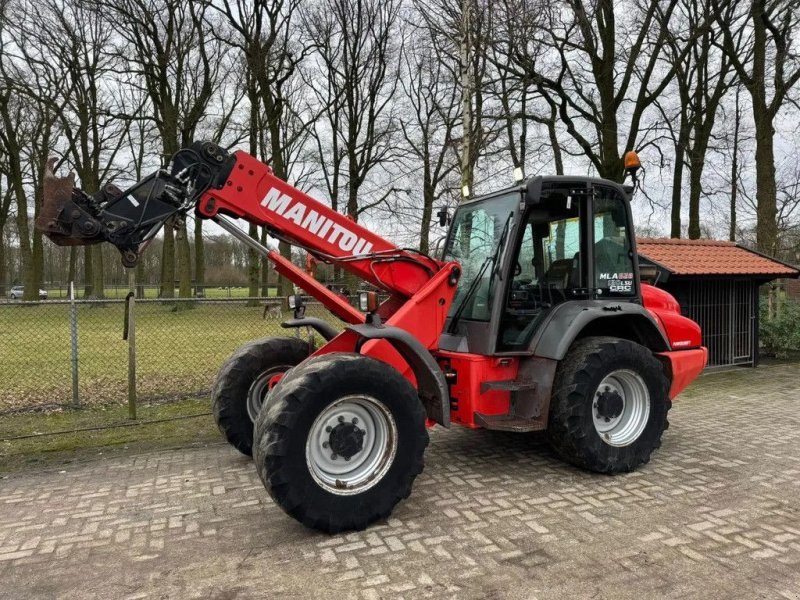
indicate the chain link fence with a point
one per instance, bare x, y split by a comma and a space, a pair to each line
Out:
180, 345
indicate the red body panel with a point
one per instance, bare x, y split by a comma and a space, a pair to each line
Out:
681, 331
684, 367
253, 193
466, 398
688, 358
423, 316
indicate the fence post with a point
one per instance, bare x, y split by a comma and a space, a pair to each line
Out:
73, 334
131, 335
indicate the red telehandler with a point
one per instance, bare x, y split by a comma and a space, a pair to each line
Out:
536, 319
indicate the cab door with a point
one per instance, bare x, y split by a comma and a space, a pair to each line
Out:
613, 254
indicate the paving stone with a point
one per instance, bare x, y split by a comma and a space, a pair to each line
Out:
715, 514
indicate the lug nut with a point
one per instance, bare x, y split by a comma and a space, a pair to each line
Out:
328, 429
334, 456
347, 458
355, 420
341, 419
325, 444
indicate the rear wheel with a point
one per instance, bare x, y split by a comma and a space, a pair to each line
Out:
244, 381
609, 405
340, 442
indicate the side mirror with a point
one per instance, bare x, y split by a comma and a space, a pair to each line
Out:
444, 216
649, 274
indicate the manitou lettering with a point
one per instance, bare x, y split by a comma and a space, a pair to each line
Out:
310, 220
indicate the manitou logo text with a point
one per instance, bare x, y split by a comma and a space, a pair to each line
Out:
310, 220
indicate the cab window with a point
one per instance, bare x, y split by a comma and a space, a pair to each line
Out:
613, 255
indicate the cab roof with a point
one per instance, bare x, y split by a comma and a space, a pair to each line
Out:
532, 187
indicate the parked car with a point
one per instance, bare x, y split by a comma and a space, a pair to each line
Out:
17, 291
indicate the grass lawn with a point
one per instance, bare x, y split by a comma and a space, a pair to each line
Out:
180, 347
83, 445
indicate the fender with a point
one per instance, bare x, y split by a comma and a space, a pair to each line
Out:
431, 384
567, 321
325, 329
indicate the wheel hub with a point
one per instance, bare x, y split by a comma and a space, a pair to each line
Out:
621, 407
610, 404
351, 444
346, 440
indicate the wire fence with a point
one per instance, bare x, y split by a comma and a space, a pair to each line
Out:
180, 345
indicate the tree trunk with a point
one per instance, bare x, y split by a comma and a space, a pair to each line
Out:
73, 264
168, 263
467, 91
427, 213
98, 287
199, 257
558, 161
88, 271
677, 178
252, 264
695, 189
184, 262
766, 208
734, 170
3, 270
265, 266
140, 279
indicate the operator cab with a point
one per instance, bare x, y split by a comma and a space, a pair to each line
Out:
528, 249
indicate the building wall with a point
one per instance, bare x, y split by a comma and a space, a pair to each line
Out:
727, 311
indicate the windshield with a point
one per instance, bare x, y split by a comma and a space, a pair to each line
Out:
477, 229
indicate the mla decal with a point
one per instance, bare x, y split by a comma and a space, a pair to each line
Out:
618, 282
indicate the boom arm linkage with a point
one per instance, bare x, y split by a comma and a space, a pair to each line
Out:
206, 178
217, 185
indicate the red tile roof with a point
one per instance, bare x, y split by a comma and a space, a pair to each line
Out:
709, 257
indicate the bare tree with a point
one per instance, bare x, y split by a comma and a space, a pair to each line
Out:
359, 44
28, 112
703, 76
269, 38
460, 31
760, 39
432, 95
599, 70
166, 51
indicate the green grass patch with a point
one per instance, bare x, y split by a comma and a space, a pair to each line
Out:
65, 448
180, 347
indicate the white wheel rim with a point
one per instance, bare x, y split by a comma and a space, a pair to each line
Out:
259, 389
624, 428
363, 468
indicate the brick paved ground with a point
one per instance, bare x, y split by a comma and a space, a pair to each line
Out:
716, 514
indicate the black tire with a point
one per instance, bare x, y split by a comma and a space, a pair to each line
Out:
283, 430
249, 364
571, 428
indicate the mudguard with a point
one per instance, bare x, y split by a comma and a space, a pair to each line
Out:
431, 384
566, 322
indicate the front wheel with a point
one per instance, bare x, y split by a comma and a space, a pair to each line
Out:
609, 405
340, 442
244, 381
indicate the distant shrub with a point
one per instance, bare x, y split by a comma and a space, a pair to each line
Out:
781, 335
